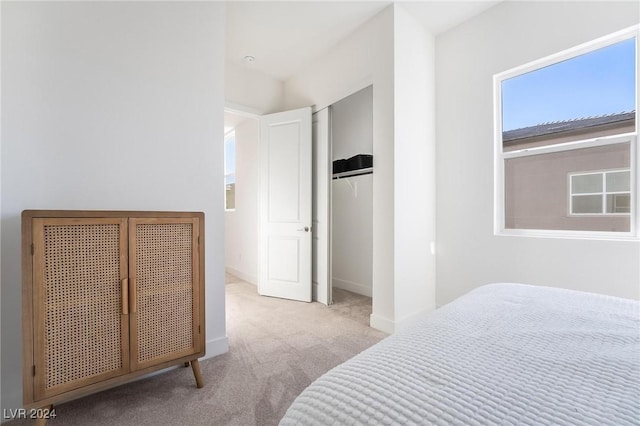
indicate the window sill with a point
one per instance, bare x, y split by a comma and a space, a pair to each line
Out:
569, 235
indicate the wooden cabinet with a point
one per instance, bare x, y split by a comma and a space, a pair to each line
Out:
108, 296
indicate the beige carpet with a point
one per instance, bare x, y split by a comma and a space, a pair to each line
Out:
277, 348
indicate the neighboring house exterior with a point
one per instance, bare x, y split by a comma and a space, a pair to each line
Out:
586, 189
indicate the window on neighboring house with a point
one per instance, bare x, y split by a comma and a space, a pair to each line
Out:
566, 142
230, 170
600, 193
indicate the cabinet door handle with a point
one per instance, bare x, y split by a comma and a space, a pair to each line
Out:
132, 289
125, 296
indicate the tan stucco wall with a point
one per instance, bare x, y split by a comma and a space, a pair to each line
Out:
536, 189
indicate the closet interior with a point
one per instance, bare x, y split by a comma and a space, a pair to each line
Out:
351, 136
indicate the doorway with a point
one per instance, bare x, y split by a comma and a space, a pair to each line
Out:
342, 222
351, 193
241, 184
268, 181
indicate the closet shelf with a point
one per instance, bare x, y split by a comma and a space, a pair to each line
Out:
351, 173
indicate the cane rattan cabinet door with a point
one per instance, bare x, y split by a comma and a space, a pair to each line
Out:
165, 289
80, 321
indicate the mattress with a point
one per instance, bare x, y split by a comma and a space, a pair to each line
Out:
501, 354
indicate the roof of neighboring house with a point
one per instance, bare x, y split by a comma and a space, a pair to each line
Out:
566, 126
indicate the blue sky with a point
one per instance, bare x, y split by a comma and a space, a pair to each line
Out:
596, 83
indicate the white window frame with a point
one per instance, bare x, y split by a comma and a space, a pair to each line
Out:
603, 194
500, 156
227, 135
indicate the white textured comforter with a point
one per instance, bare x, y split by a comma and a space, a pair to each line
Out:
502, 354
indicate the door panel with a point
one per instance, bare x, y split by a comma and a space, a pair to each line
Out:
283, 172
163, 264
79, 267
285, 205
282, 268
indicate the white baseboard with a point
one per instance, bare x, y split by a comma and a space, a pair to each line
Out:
388, 326
252, 279
353, 287
382, 324
216, 347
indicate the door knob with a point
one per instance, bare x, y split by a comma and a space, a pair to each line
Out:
305, 229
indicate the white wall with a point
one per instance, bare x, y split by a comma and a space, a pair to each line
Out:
469, 255
110, 106
415, 176
352, 198
241, 224
362, 59
352, 229
352, 125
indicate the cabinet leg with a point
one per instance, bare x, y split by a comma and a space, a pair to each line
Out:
44, 414
195, 366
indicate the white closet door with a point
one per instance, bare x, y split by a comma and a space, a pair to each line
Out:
322, 171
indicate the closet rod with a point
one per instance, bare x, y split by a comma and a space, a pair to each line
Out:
351, 173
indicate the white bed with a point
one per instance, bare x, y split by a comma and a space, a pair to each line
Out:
501, 354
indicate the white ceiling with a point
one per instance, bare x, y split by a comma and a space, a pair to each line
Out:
440, 16
285, 36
